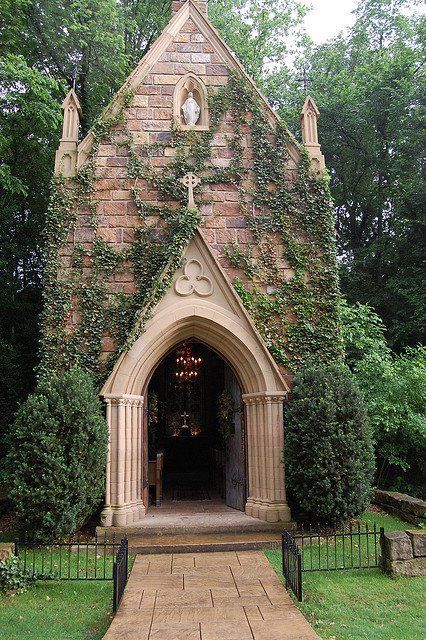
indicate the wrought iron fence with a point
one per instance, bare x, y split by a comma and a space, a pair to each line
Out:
292, 564
328, 549
80, 558
120, 573
339, 548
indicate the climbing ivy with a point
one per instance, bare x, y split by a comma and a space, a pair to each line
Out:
289, 277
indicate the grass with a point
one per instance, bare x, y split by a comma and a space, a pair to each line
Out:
363, 604
57, 611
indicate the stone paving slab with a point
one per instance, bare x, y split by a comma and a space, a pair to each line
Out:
234, 595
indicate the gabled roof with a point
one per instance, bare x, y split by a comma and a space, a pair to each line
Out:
188, 11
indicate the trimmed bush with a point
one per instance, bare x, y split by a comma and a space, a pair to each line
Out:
328, 450
57, 454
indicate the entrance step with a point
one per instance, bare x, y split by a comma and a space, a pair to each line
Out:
198, 543
199, 527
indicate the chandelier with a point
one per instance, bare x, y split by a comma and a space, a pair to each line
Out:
187, 364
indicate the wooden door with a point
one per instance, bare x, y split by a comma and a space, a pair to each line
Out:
235, 450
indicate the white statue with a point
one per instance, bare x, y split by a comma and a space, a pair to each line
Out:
191, 110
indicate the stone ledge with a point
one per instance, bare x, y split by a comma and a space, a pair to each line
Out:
408, 508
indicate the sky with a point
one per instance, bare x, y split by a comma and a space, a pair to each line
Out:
328, 17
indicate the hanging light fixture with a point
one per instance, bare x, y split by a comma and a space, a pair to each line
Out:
187, 364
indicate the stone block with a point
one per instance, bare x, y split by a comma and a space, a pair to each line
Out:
6, 550
397, 546
413, 567
140, 101
418, 542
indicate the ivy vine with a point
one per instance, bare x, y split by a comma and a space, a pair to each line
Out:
289, 276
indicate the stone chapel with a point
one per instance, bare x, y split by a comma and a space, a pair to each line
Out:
192, 271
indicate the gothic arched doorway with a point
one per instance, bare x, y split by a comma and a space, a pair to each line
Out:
195, 429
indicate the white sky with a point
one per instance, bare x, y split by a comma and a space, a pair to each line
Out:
328, 17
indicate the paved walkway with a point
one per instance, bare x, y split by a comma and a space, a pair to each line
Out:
207, 596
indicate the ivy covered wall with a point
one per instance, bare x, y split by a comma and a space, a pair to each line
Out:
116, 232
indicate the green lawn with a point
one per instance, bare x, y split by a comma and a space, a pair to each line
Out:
364, 604
57, 611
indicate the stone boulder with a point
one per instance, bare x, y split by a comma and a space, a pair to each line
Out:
397, 546
6, 550
418, 541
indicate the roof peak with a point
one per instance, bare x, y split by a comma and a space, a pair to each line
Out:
200, 4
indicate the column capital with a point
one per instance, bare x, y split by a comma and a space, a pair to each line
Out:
265, 397
125, 399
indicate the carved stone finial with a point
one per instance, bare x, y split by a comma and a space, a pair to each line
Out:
66, 155
72, 113
309, 121
190, 180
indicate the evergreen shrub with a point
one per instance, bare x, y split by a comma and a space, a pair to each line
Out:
328, 447
57, 453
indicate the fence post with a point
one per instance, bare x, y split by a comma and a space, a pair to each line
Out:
382, 543
115, 586
299, 578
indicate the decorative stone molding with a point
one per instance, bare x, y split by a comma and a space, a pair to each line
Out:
193, 280
309, 122
186, 85
66, 155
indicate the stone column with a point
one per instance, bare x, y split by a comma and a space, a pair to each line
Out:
123, 492
265, 442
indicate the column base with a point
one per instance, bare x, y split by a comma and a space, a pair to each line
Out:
268, 510
122, 516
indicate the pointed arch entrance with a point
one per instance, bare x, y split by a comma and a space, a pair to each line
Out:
214, 316
195, 431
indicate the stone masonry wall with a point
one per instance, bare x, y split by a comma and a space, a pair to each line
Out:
149, 118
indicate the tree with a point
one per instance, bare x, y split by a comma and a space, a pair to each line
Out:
368, 85
55, 464
328, 450
394, 391
29, 117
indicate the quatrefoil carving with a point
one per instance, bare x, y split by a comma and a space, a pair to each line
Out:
193, 280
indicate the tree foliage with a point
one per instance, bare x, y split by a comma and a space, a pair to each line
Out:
369, 86
394, 391
328, 451
55, 468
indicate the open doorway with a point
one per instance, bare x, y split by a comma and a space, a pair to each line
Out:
195, 429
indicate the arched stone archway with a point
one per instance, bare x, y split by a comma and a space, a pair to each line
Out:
219, 321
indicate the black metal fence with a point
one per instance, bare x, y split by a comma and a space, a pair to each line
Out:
292, 565
346, 547
328, 549
120, 573
80, 558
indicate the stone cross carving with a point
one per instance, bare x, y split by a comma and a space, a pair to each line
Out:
191, 110
190, 181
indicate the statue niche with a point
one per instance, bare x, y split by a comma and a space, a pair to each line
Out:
190, 104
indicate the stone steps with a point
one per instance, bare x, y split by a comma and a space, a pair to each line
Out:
198, 543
